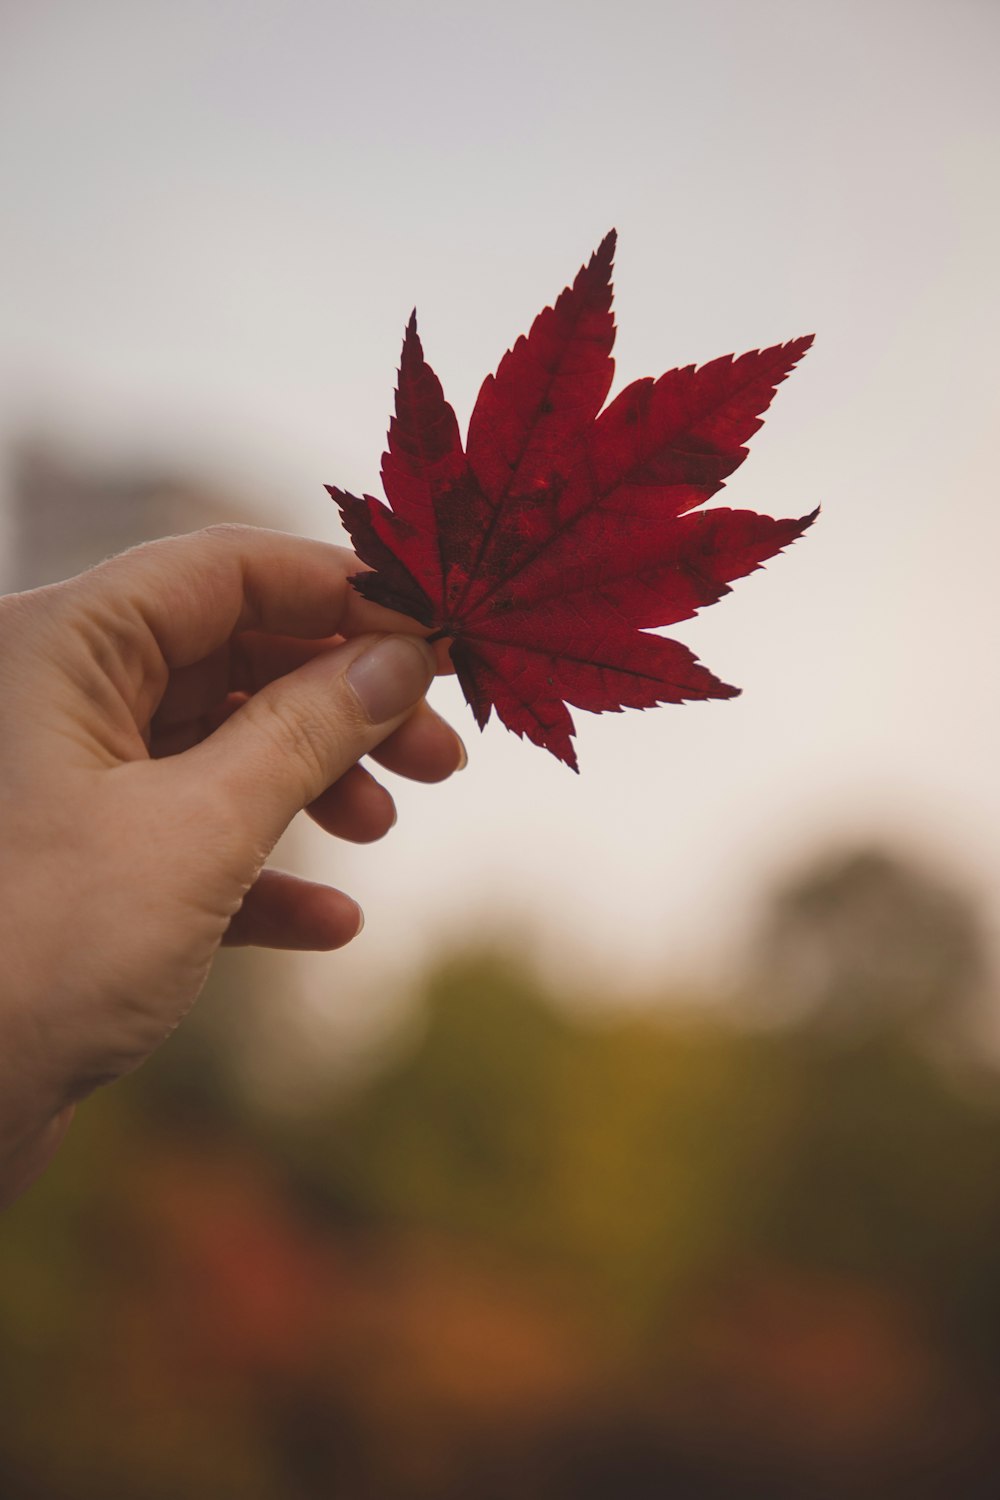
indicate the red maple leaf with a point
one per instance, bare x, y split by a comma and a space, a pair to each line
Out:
550, 546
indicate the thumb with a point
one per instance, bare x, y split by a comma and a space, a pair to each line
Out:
301, 732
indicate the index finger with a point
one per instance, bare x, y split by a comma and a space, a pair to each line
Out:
194, 592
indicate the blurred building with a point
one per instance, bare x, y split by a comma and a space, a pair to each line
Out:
65, 514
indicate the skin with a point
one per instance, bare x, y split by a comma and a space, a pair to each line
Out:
163, 718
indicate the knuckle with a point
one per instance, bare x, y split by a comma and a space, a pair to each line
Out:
227, 532
312, 736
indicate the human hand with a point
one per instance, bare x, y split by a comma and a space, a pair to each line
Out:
163, 717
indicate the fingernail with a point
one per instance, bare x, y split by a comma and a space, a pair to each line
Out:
391, 676
463, 755
361, 923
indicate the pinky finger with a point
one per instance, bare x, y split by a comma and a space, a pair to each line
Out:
283, 911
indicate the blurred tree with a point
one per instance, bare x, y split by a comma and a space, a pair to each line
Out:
866, 942
541, 1255
630, 1153
458, 1133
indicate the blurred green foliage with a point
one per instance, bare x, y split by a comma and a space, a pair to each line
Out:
630, 1253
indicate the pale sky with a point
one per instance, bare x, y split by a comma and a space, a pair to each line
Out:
216, 218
